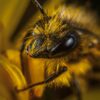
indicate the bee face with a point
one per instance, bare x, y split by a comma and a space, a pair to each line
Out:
51, 47
66, 39
58, 39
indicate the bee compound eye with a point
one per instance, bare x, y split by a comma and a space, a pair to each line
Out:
68, 43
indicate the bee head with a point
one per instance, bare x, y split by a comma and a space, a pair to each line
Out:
57, 36
51, 41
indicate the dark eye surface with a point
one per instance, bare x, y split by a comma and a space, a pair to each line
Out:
39, 41
68, 43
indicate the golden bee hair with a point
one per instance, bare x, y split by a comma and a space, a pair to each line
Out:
75, 16
78, 61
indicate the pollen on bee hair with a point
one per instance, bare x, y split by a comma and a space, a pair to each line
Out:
71, 15
59, 21
66, 17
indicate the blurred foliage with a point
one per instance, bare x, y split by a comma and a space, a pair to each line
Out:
11, 12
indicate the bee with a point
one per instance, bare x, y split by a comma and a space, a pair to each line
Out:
67, 39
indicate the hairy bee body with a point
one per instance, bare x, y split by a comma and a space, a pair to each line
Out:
65, 20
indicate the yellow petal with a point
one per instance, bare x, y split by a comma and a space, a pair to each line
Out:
11, 77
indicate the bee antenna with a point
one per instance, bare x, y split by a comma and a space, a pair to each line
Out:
40, 8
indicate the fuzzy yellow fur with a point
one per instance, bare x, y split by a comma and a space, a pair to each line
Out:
78, 16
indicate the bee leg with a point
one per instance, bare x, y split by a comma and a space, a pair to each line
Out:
24, 68
47, 80
21, 56
76, 86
